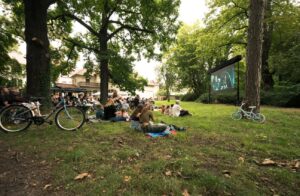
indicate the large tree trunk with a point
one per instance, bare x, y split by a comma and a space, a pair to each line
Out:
254, 53
267, 79
37, 50
104, 71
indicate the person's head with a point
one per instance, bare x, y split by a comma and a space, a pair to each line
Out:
177, 102
146, 108
137, 110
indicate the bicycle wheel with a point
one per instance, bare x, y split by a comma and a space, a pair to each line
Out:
259, 118
70, 118
236, 115
15, 118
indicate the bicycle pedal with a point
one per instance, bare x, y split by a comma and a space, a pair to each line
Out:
50, 122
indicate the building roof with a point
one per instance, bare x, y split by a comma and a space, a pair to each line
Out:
67, 88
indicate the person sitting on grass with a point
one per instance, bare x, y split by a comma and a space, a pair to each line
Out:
109, 109
147, 119
121, 115
167, 110
135, 117
177, 111
162, 109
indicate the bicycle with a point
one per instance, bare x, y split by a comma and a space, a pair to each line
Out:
18, 117
258, 117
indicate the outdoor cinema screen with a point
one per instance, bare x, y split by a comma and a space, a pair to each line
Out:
223, 79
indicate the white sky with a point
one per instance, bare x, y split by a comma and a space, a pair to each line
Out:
189, 12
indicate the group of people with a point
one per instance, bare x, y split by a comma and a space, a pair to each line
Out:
116, 109
174, 110
143, 119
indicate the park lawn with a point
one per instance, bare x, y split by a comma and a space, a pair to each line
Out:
214, 156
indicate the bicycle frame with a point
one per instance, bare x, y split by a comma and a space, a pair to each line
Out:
62, 103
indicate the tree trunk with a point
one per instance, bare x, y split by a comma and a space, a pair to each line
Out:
254, 53
37, 49
267, 79
104, 71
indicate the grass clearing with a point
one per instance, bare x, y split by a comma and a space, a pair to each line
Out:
215, 156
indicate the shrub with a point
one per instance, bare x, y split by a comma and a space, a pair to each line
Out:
189, 97
283, 96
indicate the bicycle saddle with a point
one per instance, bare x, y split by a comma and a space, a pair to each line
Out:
252, 107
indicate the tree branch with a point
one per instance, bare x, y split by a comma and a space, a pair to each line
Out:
230, 19
88, 27
244, 9
81, 46
125, 26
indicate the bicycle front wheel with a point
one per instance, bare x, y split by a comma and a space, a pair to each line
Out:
15, 118
236, 115
259, 118
69, 118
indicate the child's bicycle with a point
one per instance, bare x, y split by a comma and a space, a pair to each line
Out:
258, 117
19, 117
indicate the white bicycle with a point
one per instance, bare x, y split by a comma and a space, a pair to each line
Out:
257, 117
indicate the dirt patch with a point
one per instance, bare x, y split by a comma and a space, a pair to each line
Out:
23, 174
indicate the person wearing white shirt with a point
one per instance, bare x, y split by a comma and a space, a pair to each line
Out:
176, 109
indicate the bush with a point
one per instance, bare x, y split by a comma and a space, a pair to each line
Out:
283, 96
227, 97
189, 97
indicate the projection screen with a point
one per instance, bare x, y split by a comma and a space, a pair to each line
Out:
223, 79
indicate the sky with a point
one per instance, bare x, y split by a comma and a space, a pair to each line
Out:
189, 12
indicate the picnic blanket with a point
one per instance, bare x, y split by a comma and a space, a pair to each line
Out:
166, 132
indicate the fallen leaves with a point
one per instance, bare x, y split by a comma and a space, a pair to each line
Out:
268, 162
83, 176
47, 186
127, 178
226, 173
242, 159
168, 173
185, 192
294, 164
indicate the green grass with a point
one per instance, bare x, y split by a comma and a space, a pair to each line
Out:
194, 160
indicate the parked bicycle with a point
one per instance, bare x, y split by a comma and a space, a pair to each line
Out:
18, 117
258, 117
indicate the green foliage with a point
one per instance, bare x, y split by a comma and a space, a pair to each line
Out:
189, 97
283, 96
284, 57
131, 29
11, 71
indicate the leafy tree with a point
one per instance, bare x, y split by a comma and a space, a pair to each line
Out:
167, 75
10, 70
119, 29
284, 54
